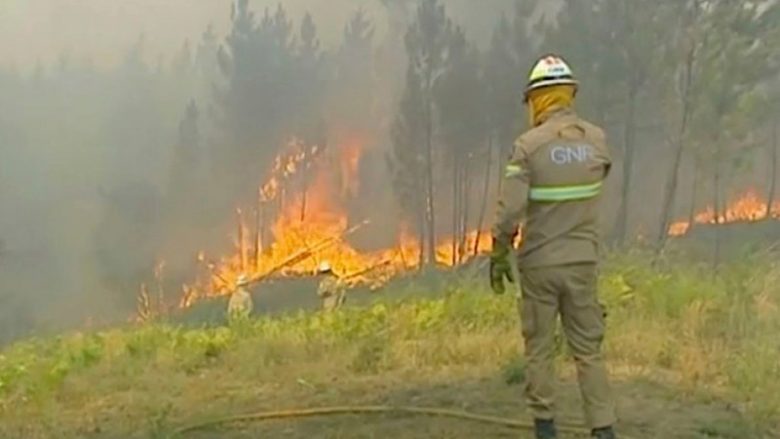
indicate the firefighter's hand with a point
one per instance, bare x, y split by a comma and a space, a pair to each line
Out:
499, 265
499, 269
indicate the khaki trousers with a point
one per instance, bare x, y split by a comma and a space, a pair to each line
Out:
334, 301
568, 291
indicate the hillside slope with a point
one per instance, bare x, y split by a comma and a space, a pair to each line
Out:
692, 357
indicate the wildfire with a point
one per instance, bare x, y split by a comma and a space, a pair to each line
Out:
321, 237
351, 152
146, 307
749, 207
286, 165
310, 227
306, 200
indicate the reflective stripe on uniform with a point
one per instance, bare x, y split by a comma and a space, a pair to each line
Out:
565, 193
512, 171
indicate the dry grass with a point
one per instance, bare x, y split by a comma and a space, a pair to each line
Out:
705, 339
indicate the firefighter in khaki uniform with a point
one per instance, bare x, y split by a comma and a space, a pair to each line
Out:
240, 305
331, 289
552, 182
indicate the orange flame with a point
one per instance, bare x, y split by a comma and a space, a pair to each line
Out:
350, 162
314, 224
305, 221
749, 207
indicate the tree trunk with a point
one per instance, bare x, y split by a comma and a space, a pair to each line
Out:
430, 216
242, 250
282, 196
421, 231
263, 231
669, 197
455, 209
485, 191
465, 205
305, 184
462, 209
628, 166
674, 172
716, 204
694, 188
773, 175
258, 234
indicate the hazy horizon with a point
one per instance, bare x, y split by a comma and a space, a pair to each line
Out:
88, 153
33, 31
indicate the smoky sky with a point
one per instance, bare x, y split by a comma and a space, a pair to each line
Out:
94, 97
43, 31
85, 127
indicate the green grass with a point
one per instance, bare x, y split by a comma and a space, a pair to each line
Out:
708, 338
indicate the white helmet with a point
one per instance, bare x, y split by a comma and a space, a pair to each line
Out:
550, 70
243, 280
324, 267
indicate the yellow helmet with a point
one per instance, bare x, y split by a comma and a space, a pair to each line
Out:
242, 280
550, 70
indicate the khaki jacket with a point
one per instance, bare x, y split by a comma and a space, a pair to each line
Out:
330, 286
332, 291
553, 182
240, 304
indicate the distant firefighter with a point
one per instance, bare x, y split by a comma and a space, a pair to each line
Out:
240, 305
331, 290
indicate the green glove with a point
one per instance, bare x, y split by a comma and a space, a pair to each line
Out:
500, 267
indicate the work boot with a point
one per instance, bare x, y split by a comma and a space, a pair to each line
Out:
545, 429
603, 433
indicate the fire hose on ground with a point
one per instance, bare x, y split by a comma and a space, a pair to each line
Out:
575, 431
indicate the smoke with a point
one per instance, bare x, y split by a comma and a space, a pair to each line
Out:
130, 131
95, 98
42, 31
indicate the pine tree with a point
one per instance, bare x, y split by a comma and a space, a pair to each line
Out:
460, 101
352, 94
504, 85
640, 25
406, 160
735, 59
724, 52
613, 48
309, 94
582, 34
183, 61
426, 47
187, 169
258, 100
353, 119
205, 57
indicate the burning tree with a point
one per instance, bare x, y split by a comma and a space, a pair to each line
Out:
461, 102
457, 109
256, 106
427, 42
353, 117
297, 245
726, 51
406, 162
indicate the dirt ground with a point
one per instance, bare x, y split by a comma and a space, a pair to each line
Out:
646, 411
